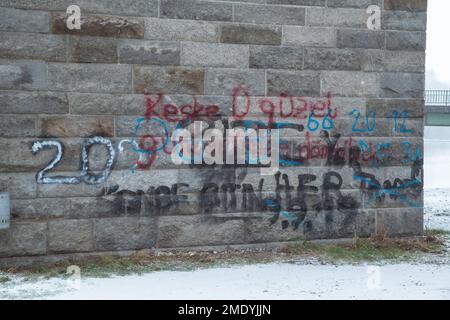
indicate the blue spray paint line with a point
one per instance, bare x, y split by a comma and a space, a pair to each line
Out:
392, 192
139, 122
410, 154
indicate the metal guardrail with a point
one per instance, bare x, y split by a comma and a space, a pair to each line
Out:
437, 97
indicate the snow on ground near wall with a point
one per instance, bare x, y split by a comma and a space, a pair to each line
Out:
273, 281
437, 209
437, 178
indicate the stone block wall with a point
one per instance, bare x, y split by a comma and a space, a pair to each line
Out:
86, 118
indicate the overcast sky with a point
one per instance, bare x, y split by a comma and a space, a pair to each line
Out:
438, 44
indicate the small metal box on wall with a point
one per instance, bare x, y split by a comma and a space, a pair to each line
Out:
5, 211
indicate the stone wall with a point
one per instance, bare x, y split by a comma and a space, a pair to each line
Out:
86, 118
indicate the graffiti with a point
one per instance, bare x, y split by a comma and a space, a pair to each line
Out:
327, 198
333, 150
285, 106
37, 147
400, 119
367, 126
86, 175
170, 112
197, 135
232, 196
405, 189
161, 111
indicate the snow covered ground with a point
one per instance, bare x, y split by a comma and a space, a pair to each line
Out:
437, 209
437, 178
273, 281
423, 280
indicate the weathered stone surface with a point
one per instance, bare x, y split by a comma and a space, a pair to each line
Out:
250, 34
19, 185
402, 85
393, 61
332, 59
117, 7
350, 84
186, 30
24, 21
384, 108
24, 239
196, 10
406, 5
25, 75
92, 50
252, 13
106, 104
215, 55
399, 222
69, 190
400, 20
103, 26
14, 102
406, 41
90, 78
75, 126
336, 17
66, 236
124, 233
347, 38
200, 231
149, 52
223, 81
32, 46
16, 155
316, 3
311, 37
363, 4
39, 209
17, 126
102, 207
297, 83
168, 80
269, 57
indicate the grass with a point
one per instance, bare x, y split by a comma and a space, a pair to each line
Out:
437, 232
376, 249
143, 262
4, 279
368, 250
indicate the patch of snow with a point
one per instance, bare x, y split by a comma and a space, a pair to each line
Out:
273, 281
437, 209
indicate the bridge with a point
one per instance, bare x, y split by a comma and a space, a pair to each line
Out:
437, 108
